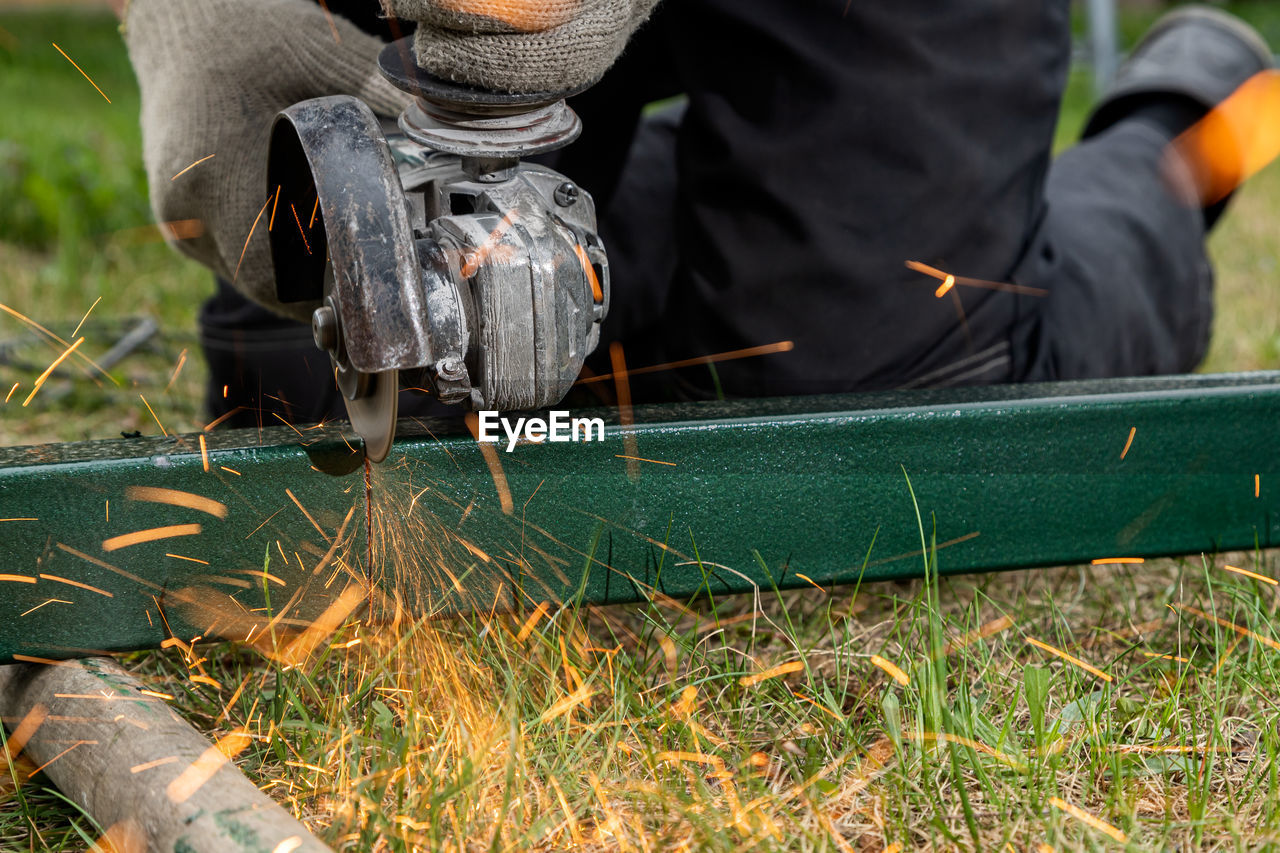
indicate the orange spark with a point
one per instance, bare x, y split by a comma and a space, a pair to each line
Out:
86, 316
626, 416
17, 579
772, 672
163, 431
808, 580
173, 497
333, 28
1069, 659
252, 228
192, 166
19, 519
892, 669
948, 281
11, 390
1239, 629
210, 762
300, 229
1106, 561
230, 470
1132, 431
115, 543
204, 453
42, 604
314, 208
81, 70
32, 774
182, 359
25, 729
155, 694
995, 626
314, 523
567, 704
237, 410
188, 559
57, 579
324, 625
24, 319
1086, 818
159, 762
490, 454
527, 628
271, 223
642, 459
1253, 575
1174, 658
103, 564
731, 355
1257, 485
1233, 142
43, 376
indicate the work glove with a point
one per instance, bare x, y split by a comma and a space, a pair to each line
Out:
521, 45
213, 75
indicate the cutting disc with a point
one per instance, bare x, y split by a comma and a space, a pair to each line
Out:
373, 414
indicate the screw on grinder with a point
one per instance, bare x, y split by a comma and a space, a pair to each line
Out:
436, 258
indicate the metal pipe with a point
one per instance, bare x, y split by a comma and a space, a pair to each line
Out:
725, 497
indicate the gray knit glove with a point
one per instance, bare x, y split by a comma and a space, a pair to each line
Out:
213, 75
521, 45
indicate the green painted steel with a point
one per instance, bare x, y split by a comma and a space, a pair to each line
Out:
756, 493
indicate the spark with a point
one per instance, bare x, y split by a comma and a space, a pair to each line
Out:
19, 519
192, 166
236, 275
333, 27
527, 628
597, 292
156, 694
17, 579
204, 453
78, 584
188, 559
230, 470
731, 355
173, 497
1253, 575
948, 281
567, 704
115, 543
300, 229
163, 431
31, 721
103, 564
314, 523
11, 390
182, 360
315, 207
977, 746
892, 669
1106, 561
237, 410
204, 679
86, 316
81, 70
159, 762
1132, 431
981, 633
490, 454
808, 580
271, 223
210, 762
772, 672
325, 624
642, 459
1239, 629
43, 376
1084, 817
1257, 483
32, 774
24, 319
1167, 657
626, 416
50, 601
1070, 659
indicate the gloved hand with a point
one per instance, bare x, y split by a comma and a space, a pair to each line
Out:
213, 75
521, 45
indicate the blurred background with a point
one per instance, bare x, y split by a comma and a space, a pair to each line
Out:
76, 234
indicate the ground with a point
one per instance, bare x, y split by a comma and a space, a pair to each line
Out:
927, 714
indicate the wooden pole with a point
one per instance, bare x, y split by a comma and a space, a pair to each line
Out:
148, 779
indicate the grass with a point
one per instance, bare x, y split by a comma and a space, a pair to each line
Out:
916, 714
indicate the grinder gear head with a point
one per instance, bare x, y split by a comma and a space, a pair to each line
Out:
437, 259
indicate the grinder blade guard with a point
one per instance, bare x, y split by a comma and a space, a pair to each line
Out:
434, 258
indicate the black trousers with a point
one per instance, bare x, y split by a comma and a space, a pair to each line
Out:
822, 145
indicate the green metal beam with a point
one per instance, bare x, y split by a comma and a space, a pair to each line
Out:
756, 493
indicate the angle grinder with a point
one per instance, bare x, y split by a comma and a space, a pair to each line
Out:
437, 260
